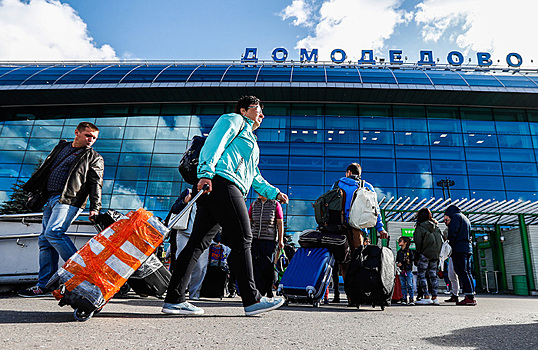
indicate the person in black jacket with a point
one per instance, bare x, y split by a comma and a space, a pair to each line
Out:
71, 173
404, 261
459, 238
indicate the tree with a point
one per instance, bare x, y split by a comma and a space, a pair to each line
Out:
17, 201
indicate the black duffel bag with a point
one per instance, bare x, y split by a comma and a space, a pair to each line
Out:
334, 241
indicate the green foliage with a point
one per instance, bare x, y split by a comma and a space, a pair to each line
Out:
17, 201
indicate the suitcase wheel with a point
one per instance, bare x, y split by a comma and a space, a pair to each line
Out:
82, 316
382, 308
316, 303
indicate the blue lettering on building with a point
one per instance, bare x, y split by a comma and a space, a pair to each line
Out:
338, 56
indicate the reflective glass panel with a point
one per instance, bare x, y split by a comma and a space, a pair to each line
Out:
302, 177
520, 169
480, 140
376, 137
241, 73
110, 75
443, 139
177, 74
144, 74
208, 73
377, 151
519, 183
448, 167
515, 141
308, 74
516, 155
342, 150
80, 75
413, 166
411, 77
376, 76
411, 138
274, 74
480, 168
342, 123
415, 152
337, 74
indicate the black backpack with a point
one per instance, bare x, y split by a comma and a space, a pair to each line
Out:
188, 166
329, 208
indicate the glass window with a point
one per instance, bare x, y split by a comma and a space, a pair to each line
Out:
377, 165
444, 125
10, 170
338, 164
297, 207
275, 122
110, 158
42, 144
376, 76
315, 122
515, 141
162, 146
6, 183
174, 121
277, 176
126, 202
481, 168
135, 159
445, 139
377, 151
175, 74
275, 74
35, 157
241, 73
377, 137
166, 160
110, 75
337, 74
379, 179
106, 132
16, 131
341, 136
130, 187
132, 173
144, 74
305, 192
109, 121
308, 74
480, 140
165, 174
142, 121
411, 77
411, 138
415, 152
486, 182
204, 121
273, 135
484, 154
454, 194
342, 150
410, 124
107, 145
460, 181
414, 180
303, 177
275, 148
448, 167
520, 169
110, 172
208, 73
478, 79
415, 192
478, 126
47, 131
516, 155
494, 195
299, 223
138, 146
522, 196
306, 149
517, 128
108, 185
139, 133
165, 188
413, 166
446, 78
273, 162
11, 156
309, 163
342, 123
374, 111
341, 110
521, 183
375, 123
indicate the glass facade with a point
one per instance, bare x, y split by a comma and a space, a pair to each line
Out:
305, 148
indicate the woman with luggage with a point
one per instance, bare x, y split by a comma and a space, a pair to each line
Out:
428, 242
228, 165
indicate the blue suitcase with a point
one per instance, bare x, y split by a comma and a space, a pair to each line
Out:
307, 276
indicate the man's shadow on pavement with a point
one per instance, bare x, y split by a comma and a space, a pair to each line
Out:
510, 336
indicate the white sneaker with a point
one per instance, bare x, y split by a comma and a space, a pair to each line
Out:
185, 308
435, 302
424, 302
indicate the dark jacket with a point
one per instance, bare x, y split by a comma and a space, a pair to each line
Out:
428, 239
85, 178
405, 257
459, 231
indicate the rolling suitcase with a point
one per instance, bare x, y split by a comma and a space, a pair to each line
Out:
95, 273
151, 278
307, 276
370, 276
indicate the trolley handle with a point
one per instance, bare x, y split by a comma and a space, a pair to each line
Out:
187, 207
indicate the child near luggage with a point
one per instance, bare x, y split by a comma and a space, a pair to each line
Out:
404, 261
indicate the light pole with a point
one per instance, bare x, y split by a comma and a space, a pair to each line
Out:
446, 183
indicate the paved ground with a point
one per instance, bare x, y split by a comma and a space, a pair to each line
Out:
498, 322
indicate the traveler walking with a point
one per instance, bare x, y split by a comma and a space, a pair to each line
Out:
459, 238
228, 165
72, 172
428, 242
267, 225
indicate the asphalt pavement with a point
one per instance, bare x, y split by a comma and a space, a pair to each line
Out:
132, 322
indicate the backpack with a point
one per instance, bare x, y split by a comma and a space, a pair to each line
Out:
364, 208
188, 165
329, 208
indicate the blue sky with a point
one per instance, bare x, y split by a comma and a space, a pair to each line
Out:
222, 29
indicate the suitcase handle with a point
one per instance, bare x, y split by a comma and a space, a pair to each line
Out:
380, 242
187, 207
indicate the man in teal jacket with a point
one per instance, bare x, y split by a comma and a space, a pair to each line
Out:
229, 167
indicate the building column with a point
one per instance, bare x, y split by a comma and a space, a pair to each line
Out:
498, 258
526, 252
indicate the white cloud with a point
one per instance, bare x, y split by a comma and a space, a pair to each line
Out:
301, 10
494, 26
353, 25
46, 30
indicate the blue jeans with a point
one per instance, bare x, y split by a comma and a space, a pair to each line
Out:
462, 267
406, 280
53, 242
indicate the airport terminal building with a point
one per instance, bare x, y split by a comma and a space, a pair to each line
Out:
409, 126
